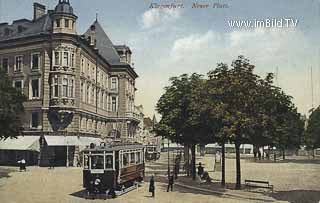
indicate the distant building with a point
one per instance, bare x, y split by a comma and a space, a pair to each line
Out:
80, 88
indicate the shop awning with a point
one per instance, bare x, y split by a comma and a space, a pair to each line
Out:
71, 140
62, 140
21, 143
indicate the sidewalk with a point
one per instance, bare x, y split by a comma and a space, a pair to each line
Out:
215, 189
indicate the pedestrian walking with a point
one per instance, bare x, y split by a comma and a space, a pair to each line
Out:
51, 162
170, 182
151, 185
22, 165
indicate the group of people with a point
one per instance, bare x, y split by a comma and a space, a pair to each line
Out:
203, 175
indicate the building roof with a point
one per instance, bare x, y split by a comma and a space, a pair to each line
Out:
25, 28
104, 44
64, 7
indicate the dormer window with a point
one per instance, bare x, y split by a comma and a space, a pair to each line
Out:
20, 29
6, 31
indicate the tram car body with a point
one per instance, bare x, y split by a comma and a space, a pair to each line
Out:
152, 152
111, 168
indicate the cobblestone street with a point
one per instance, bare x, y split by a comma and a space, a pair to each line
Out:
295, 181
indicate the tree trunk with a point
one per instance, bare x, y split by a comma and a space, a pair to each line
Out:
238, 168
186, 159
193, 161
223, 174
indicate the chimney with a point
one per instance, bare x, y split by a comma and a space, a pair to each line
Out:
38, 11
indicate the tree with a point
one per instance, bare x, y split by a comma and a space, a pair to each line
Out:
182, 120
312, 132
11, 108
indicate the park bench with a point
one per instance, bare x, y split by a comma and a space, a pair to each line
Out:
258, 184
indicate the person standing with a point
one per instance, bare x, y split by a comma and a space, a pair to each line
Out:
200, 170
170, 182
151, 185
23, 165
52, 160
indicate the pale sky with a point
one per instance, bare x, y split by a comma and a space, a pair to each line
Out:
169, 42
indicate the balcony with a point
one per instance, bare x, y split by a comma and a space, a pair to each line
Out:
62, 102
133, 115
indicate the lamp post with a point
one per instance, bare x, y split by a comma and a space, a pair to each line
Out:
168, 160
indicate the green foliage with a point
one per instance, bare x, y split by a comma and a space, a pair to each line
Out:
182, 120
312, 133
11, 107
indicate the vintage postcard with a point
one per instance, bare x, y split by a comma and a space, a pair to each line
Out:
159, 101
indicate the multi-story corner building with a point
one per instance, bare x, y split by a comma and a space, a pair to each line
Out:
80, 87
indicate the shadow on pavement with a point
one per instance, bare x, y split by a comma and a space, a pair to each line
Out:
4, 172
82, 194
298, 196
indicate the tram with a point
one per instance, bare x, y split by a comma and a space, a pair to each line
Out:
152, 152
111, 168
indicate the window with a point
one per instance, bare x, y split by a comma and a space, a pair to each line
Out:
71, 93
18, 64
114, 104
65, 87
20, 29
98, 98
72, 24
55, 87
114, 84
81, 92
88, 68
18, 84
66, 22
92, 95
5, 64
35, 61
72, 60
138, 160
132, 158
106, 81
57, 58
109, 161
82, 65
102, 100
35, 88
88, 94
125, 160
6, 31
65, 59
34, 119
97, 162
58, 22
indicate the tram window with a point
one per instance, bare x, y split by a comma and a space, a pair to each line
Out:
132, 158
97, 162
138, 158
109, 161
125, 160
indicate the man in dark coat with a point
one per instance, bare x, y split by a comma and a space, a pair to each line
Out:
200, 170
170, 182
151, 186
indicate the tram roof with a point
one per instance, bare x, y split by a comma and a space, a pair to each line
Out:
115, 147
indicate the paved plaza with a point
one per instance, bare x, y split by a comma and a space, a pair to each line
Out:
296, 180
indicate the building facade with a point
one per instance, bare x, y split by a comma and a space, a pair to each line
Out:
79, 87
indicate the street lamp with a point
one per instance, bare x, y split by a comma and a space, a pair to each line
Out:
168, 160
